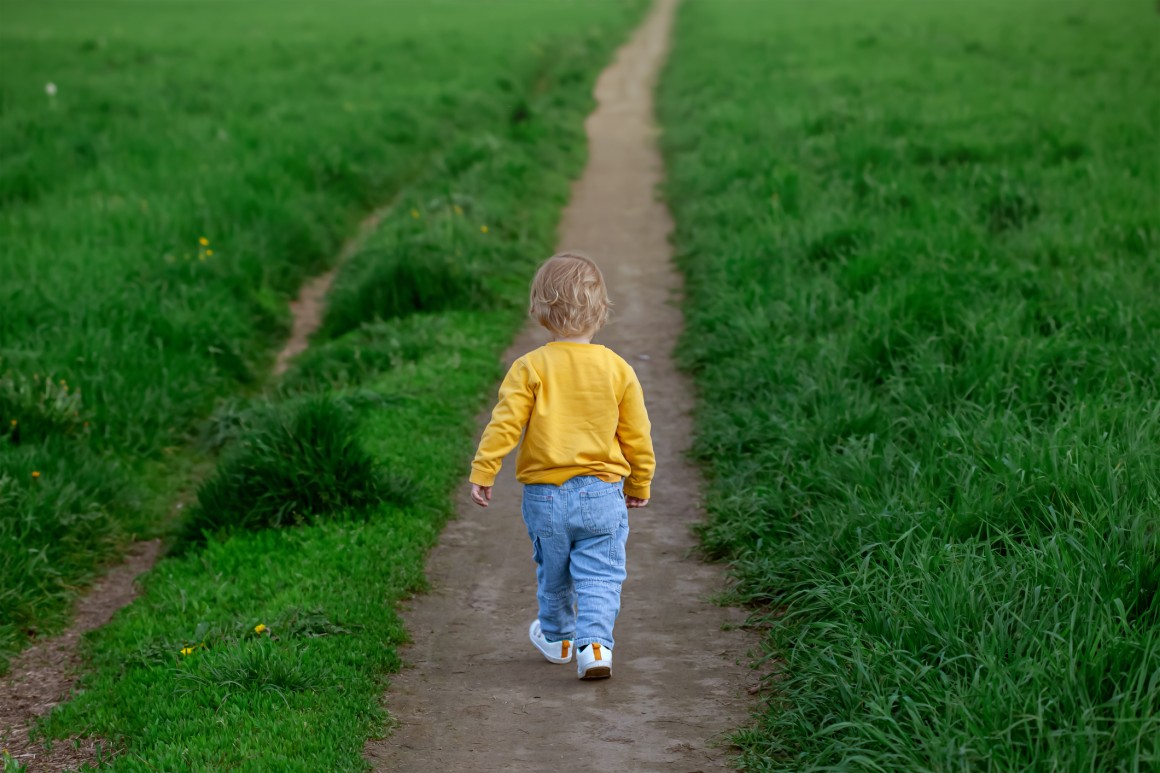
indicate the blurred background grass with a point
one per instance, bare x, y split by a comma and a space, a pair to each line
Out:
170, 174
921, 244
255, 646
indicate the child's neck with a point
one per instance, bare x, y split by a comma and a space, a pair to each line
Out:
581, 339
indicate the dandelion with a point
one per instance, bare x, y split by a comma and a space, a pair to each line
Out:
204, 242
259, 627
63, 383
50, 89
415, 213
187, 650
13, 422
483, 229
35, 474
458, 210
209, 252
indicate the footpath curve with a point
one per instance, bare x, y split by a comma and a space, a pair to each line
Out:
477, 695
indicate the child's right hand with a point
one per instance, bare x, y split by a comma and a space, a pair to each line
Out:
481, 495
635, 502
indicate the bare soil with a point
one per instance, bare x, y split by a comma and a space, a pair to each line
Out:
477, 696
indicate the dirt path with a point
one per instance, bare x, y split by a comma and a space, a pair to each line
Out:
479, 697
308, 309
42, 675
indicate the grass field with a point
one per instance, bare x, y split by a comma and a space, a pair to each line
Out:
267, 130
170, 173
922, 243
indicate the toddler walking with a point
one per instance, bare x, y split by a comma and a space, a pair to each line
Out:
586, 458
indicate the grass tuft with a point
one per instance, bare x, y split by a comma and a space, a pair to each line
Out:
399, 280
293, 463
254, 665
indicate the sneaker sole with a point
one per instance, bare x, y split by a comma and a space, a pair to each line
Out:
597, 672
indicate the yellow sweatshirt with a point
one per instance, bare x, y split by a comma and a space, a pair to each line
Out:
584, 414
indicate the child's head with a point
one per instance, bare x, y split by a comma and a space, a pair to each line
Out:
568, 296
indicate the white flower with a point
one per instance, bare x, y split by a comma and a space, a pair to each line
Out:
50, 89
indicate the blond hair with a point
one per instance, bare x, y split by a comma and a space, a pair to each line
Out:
568, 296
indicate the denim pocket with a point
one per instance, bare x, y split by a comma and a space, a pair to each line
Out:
603, 509
537, 512
616, 552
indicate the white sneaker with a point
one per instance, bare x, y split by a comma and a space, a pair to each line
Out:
594, 661
555, 651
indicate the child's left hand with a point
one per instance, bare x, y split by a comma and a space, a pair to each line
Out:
481, 495
635, 502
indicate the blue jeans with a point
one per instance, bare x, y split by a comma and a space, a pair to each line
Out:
578, 530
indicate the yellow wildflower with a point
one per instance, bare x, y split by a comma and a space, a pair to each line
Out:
187, 650
259, 627
13, 422
483, 229
208, 253
204, 242
458, 210
415, 213
35, 474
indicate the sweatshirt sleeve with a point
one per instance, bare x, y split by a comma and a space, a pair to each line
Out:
508, 418
633, 432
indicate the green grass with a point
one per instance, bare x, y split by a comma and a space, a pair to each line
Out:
266, 129
290, 464
384, 401
921, 242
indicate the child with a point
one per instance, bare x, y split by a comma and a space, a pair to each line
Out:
586, 457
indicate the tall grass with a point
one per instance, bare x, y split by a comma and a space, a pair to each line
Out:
191, 165
921, 245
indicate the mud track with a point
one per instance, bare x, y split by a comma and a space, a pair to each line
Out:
477, 695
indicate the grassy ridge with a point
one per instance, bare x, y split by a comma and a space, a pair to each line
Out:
266, 648
192, 164
922, 246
